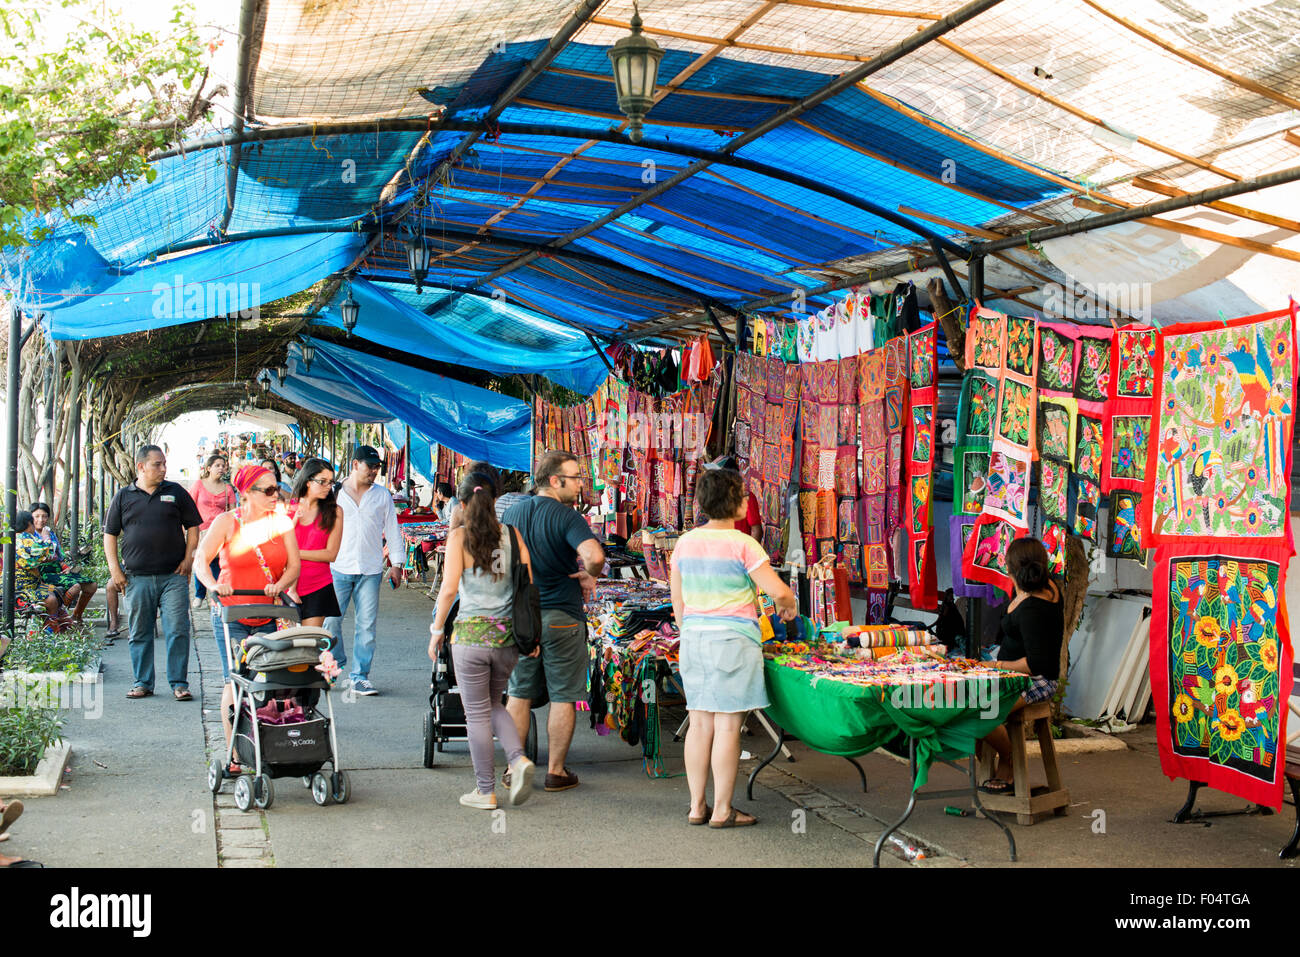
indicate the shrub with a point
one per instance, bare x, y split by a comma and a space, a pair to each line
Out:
69, 651
25, 733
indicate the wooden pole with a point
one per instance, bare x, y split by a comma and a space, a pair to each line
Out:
11, 454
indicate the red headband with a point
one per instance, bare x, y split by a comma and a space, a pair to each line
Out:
247, 477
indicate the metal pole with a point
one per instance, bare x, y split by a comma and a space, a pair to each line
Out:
11, 465
74, 476
90, 449
408, 457
52, 384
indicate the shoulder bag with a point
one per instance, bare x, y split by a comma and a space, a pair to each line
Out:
526, 613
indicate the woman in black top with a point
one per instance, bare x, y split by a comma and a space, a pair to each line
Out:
1032, 632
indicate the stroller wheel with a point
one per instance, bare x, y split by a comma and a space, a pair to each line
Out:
339, 787
215, 777
320, 788
263, 791
244, 792
306, 781
430, 738
530, 742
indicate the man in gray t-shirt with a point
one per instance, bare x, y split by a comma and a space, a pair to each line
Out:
566, 558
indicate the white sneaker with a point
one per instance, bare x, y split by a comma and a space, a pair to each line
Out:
487, 802
196, 602
521, 780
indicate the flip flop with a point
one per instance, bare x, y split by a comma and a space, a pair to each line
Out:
24, 863
991, 786
139, 692
13, 811
708, 812
732, 822
182, 694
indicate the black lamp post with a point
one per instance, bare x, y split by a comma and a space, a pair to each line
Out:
350, 307
635, 59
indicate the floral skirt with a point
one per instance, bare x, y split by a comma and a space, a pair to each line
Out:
483, 632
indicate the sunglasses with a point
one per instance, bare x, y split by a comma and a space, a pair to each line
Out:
268, 490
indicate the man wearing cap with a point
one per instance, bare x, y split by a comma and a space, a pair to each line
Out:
370, 522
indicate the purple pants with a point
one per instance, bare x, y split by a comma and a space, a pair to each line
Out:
482, 675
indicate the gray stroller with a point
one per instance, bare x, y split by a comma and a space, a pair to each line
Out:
278, 728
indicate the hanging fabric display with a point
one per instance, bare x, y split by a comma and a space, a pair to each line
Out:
984, 558
960, 529
923, 392
1122, 536
1215, 505
976, 409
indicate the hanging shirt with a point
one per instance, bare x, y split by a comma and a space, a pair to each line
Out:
366, 527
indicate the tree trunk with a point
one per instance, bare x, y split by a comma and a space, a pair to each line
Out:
69, 431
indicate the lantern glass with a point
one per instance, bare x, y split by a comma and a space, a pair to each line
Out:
350, 309
635, 59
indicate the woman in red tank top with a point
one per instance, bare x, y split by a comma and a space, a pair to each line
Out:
258, 552
318, 525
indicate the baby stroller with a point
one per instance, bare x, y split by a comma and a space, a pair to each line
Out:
278, 730
445, 719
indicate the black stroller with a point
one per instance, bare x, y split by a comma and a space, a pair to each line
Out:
445, 719
278, 730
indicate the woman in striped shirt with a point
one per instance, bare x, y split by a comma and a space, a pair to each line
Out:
715, 572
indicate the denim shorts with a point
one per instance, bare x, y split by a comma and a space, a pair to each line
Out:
721, 670
561, 667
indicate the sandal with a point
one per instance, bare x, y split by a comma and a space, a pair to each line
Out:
731, 821
708, 813
182, 694
12, 812
23, 862
139, 691
996, 786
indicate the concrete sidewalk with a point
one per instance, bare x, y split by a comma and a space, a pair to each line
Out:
137, 796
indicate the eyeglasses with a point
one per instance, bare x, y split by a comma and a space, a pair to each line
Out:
563, 478
322, 482
269, 490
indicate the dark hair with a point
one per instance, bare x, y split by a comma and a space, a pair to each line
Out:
21, 521
446, 490
1027, 564
146, 451
720, 493
40, 507
484, 474
213, 458
275, 469
479, 519
549, 465
327, 510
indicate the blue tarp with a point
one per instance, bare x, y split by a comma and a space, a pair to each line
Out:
473, 331
421, 448
347, 384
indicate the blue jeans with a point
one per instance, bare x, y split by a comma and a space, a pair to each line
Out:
201, 591
238, 632
365, 590
148, 595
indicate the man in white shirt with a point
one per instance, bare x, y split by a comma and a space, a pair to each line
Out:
370, 522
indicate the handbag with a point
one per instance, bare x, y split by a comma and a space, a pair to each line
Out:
526, 610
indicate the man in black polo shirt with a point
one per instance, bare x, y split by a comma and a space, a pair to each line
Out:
159, 523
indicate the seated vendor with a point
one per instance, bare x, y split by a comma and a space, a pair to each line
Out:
1032, 632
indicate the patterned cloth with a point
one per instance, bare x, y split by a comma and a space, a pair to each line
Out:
1040, 689
33, 558
714, 565
483, 632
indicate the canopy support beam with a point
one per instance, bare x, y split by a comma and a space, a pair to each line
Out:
947, 271
243, 76
595, 344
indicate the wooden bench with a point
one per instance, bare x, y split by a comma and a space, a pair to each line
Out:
1027, 802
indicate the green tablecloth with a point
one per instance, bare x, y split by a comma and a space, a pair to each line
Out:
847, 720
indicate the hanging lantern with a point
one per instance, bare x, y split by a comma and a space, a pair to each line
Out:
350, 307
308, 354
264, 380
417, 262
635, 59
280, 373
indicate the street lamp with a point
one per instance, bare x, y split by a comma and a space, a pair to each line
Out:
264, 380
280, 373
635, 60
308, 354
417, 261
350, 307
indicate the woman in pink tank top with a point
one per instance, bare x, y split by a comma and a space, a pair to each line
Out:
318, 525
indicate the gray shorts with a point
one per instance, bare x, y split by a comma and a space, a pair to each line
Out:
562, 665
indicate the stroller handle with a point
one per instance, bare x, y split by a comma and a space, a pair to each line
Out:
283, 644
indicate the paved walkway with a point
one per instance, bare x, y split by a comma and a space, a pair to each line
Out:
136, 795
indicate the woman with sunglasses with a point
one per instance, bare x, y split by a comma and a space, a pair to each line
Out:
318, 526
258, 552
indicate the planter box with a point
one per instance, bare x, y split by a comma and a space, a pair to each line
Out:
45, 781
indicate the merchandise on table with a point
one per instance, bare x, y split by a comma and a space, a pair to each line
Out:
826, 662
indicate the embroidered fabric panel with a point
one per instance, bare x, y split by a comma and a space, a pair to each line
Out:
1128, 434
1007, 495
1056, 428
1054, 490
1058, 358
1133, 353
1219, 464
1092, 383
1054, 538
985, 556
1087, 501
960, 529
1122, 539
1222, 667
923, 394
976, 410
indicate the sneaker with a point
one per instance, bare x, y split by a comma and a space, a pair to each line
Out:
487, 802
196, 602
520, 776
363, 686
561, 782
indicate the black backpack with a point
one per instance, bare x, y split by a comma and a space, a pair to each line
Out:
526, 614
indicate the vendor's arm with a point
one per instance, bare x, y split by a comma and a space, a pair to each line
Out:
1020, 665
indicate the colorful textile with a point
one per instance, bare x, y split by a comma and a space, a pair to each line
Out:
1054, 489
1133, 354
923, 393
985, 556
1054, 538
1007, 495
1221, 667
970, 479
1092, 383
960, 529
1058, 358
1056, 428
1122, 539
1219, 465
1128, 433
1087, 501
